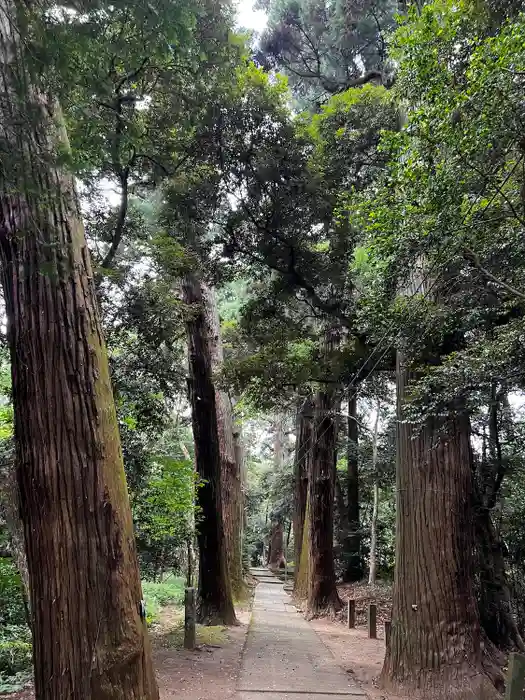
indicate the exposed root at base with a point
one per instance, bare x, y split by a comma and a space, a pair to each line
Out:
474, 687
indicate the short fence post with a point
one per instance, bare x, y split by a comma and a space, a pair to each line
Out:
388, 632
351, 614
372, 621
189, 618
515, 677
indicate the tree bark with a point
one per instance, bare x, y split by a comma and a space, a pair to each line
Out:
302, 456
375, 512
10, 509
436, 642
353, 565
231, 485
322, 590
276, 558
494, 596
302, 578
214, 605
89, 637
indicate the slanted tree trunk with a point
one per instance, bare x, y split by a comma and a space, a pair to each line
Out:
231, 486
353, 564
214, 603
90, 641
322, 590
436, 641
372, 572
303, 453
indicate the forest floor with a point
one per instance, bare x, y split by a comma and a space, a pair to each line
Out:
211, 671
360, 657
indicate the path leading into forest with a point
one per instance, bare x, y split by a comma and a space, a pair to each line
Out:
284, 658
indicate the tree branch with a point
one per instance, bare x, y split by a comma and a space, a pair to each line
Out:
473, 258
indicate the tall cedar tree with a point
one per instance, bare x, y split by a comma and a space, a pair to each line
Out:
276, 556
215, 605
436, 643
90, 638
322, 590
353, 570
230, 450
303, 448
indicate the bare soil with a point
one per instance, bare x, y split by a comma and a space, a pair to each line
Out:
361, 657
211, 671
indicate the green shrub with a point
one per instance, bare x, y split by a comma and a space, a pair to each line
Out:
13, 684
12, 609
15, 656
159, 595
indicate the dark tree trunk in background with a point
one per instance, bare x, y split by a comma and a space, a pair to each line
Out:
353, 563
231, 486
276, 558
89, 640
322, 590
240, 460
494, 596
494, 599
436, 640
372, 569
303, 454
214, 602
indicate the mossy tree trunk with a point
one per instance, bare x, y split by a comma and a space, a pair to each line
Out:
90, 641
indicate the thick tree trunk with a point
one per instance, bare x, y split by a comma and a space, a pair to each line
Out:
303, 453
240, 460
302, 578
353, 564
231, 486
372, 571
436, 643
215, 605
494, 600
276, 558
322, 590
89, 637
494, 596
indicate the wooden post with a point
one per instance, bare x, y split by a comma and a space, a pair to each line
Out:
351, 614
189, 619
515, 677
388, 632
372, 621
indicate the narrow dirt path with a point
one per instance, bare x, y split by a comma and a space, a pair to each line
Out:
284, 658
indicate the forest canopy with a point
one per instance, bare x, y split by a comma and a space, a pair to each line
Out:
263, 305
